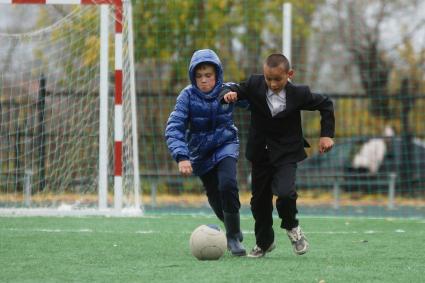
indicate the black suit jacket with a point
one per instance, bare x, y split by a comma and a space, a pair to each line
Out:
279, 139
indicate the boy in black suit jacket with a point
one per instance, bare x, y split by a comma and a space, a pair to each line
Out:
276, 144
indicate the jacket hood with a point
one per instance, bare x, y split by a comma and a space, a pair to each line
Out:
206, 56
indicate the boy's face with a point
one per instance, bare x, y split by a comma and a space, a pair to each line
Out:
205, 78
276, 77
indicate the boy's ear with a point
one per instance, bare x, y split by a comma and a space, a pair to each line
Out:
291, 73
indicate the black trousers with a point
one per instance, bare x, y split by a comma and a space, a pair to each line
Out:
269, 180
222, 188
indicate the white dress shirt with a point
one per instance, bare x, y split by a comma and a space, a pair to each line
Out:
276, 101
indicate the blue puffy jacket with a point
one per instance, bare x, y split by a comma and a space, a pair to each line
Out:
200, 128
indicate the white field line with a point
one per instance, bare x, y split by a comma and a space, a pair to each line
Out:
44, 230
249, 217
111, 213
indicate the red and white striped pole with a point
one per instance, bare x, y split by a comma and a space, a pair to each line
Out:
119, 131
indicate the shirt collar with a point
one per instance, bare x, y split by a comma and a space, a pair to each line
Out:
270, 92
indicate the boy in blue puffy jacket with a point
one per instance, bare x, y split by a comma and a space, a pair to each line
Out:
203, 140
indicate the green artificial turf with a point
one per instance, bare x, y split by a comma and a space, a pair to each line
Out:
155, 248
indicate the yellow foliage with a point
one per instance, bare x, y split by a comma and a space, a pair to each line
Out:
92, 46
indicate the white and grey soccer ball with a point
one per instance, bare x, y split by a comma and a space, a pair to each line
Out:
208, 242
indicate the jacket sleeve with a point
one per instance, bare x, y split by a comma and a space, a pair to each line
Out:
241, 89
175, 131
322, 103
230, 86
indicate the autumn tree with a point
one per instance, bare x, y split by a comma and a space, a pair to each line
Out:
361, 27
242, 32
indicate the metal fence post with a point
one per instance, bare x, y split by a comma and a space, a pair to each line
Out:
336, 193
27, 187
391, 190
154, 186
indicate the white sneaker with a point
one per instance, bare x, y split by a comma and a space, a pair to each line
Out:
298, 240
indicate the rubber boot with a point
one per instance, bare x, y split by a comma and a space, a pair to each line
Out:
219, 213
233, 234
216, 206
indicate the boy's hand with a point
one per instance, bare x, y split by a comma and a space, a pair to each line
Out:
230, 97
325, 144
185, 168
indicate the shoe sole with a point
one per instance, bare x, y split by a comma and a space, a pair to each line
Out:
242, 253
255, 256
270, 249
304, 251
238, 254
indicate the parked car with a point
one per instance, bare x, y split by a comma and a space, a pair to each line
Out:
403, 162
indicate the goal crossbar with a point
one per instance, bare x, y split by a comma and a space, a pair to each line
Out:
64, 2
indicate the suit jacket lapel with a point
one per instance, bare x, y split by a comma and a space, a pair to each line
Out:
263, 99
289, 96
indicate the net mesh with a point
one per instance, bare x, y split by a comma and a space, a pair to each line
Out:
49, 89
340, 48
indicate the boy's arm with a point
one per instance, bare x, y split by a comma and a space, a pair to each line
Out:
228, 96
324, 105
233, 92
175, 131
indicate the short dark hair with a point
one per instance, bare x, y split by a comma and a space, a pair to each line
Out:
276, 59
203, 65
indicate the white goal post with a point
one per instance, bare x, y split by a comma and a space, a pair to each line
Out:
68, 133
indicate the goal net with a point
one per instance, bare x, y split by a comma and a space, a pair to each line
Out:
68, 137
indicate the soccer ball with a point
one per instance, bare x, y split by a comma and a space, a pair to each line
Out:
208, 242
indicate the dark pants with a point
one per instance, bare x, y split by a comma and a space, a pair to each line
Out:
222, 188
268, 180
